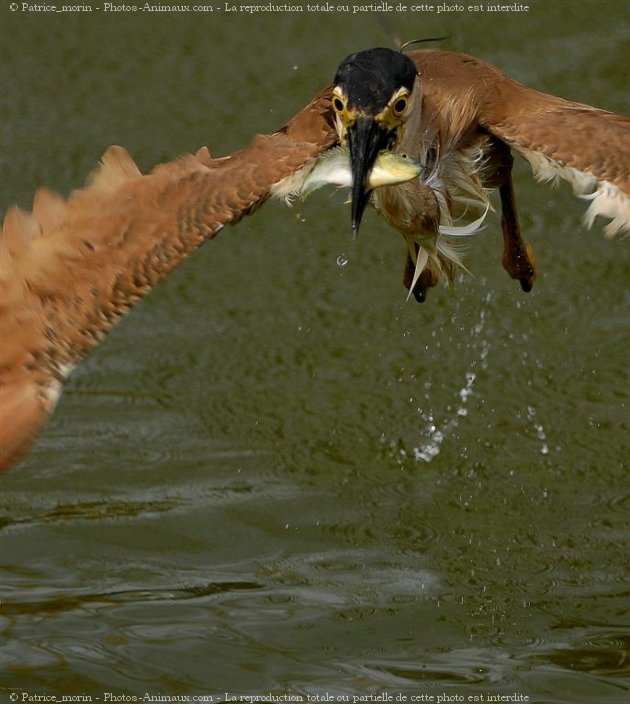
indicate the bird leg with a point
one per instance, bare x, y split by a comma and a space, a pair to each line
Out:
518, 254
413, 209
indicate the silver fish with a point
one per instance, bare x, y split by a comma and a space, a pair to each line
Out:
333, 168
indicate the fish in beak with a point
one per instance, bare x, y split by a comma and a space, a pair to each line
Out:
366, 138
333, 168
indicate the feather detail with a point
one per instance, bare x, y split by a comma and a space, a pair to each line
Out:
116, 168
420, 260
203, 155
606, 199
71, 269
561, 139
49, 210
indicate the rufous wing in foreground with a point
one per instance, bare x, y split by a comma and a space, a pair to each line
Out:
70, 269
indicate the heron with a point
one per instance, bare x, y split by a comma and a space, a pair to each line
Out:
463, 120
423, 136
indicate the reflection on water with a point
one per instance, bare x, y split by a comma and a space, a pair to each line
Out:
277, 476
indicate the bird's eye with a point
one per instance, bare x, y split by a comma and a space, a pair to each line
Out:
338, 104
400, 106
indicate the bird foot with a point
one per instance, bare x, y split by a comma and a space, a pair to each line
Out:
520, 263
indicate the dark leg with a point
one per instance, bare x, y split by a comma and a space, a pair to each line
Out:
518, 255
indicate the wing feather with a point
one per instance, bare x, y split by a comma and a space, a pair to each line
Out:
561, 139
70, 269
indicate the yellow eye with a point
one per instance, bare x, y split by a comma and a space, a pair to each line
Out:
400, 106
338, 104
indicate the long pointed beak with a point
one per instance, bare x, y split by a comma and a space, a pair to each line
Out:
365, 139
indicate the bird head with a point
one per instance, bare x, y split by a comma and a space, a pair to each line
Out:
372, 97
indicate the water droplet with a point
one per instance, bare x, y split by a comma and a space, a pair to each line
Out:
342, 260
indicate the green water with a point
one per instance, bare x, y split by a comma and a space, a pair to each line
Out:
278, 477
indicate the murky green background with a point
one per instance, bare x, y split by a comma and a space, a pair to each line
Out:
276, 475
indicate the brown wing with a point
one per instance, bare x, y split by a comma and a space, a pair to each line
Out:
586, 146
70, 270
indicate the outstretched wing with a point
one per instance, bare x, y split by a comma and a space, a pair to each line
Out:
583, 145
70, 269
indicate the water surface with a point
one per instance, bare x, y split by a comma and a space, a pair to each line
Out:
277, 476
